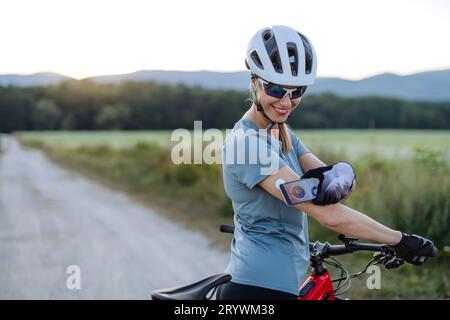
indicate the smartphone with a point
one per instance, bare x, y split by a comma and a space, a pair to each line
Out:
299, 191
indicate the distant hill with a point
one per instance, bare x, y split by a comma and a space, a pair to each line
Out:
207, 79
35, 79
425, 86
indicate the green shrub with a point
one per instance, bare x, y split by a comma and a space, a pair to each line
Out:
187, 174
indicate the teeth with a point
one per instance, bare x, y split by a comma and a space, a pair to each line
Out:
280, 110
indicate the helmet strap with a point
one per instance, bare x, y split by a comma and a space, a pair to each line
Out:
259, 108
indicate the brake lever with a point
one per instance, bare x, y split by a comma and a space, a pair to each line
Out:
388, 259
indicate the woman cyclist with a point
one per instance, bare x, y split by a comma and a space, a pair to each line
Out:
269, 250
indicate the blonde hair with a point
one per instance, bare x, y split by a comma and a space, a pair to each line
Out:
285, 137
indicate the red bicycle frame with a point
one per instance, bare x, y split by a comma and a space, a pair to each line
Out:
317, 287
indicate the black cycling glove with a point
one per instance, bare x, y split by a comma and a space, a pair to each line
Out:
415, 249
335, 182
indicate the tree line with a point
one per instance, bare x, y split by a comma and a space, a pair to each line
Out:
85, 105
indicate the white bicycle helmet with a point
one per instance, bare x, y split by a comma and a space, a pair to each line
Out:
282, 56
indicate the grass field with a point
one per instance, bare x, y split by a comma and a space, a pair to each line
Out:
411, 194
353, 143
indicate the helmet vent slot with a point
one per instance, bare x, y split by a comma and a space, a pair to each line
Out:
293, 58
308, 54
256, 60
272, 50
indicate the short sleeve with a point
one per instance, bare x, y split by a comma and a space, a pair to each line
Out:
250, 158
298, 145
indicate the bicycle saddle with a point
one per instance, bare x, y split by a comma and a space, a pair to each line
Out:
194, 291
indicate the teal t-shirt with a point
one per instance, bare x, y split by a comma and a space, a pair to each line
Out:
270, 244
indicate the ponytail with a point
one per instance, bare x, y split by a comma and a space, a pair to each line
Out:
285, 137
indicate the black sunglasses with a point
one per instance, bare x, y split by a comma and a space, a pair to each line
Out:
279, 92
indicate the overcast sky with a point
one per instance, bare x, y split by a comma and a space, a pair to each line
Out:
353, 39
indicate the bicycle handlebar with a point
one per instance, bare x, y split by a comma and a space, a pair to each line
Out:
340, 249
327, 249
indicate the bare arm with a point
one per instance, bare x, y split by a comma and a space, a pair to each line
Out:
336, 217
309, 161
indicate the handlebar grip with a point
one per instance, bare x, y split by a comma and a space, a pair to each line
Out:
226, 228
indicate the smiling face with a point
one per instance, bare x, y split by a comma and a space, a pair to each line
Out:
277, 110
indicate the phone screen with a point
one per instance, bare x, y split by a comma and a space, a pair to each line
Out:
299, 191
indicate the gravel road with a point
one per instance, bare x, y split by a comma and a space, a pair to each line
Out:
52, 218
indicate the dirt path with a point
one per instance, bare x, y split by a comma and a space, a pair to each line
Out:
51, 218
